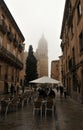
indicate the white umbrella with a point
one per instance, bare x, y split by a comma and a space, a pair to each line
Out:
45, 79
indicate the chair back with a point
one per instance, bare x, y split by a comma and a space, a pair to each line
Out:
49, 103
37, 104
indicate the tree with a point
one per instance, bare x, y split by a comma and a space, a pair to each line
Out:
31, 66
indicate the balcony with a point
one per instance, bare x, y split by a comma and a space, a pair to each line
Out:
20, 47
15, 42
3, 27
70, 18
62, 46
9, 58
10, 36
72, 65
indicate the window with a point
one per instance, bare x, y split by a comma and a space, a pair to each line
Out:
14, 52
6, 72
73, 54
81, 41
8, 47
0, 70
71, 30
19, 56
1, 41
74, 82
2, 17
70, 64
79, 10
69, 5
12, 75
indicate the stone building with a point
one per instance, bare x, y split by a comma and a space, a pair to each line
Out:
72, 48
55, 69
11, 48
60, 67
42, 57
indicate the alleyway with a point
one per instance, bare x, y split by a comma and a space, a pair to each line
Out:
68, 116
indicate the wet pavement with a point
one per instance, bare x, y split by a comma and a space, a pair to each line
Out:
25, 120
68, 116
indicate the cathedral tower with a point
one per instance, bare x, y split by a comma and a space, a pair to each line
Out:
42, 57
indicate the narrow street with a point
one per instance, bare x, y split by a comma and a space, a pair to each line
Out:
68, 116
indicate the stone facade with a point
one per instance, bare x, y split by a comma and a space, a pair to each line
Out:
55, 69
60, 67
72, 48
42, 57
11, 48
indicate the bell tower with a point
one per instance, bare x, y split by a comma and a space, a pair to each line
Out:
42, 57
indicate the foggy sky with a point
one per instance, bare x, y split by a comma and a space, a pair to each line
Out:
35, 17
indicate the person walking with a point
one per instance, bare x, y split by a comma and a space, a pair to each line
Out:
65, 92
12, 89
51, 93
61, 91
17, 88
6, 87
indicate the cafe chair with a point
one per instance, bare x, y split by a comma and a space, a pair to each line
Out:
49, 107
37, 106
14, 104
4, 107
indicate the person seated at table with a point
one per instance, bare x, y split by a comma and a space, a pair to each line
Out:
42, 93
51, 93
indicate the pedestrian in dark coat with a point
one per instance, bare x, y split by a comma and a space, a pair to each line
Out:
61, 91
51, 94
65, 92
12, 89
